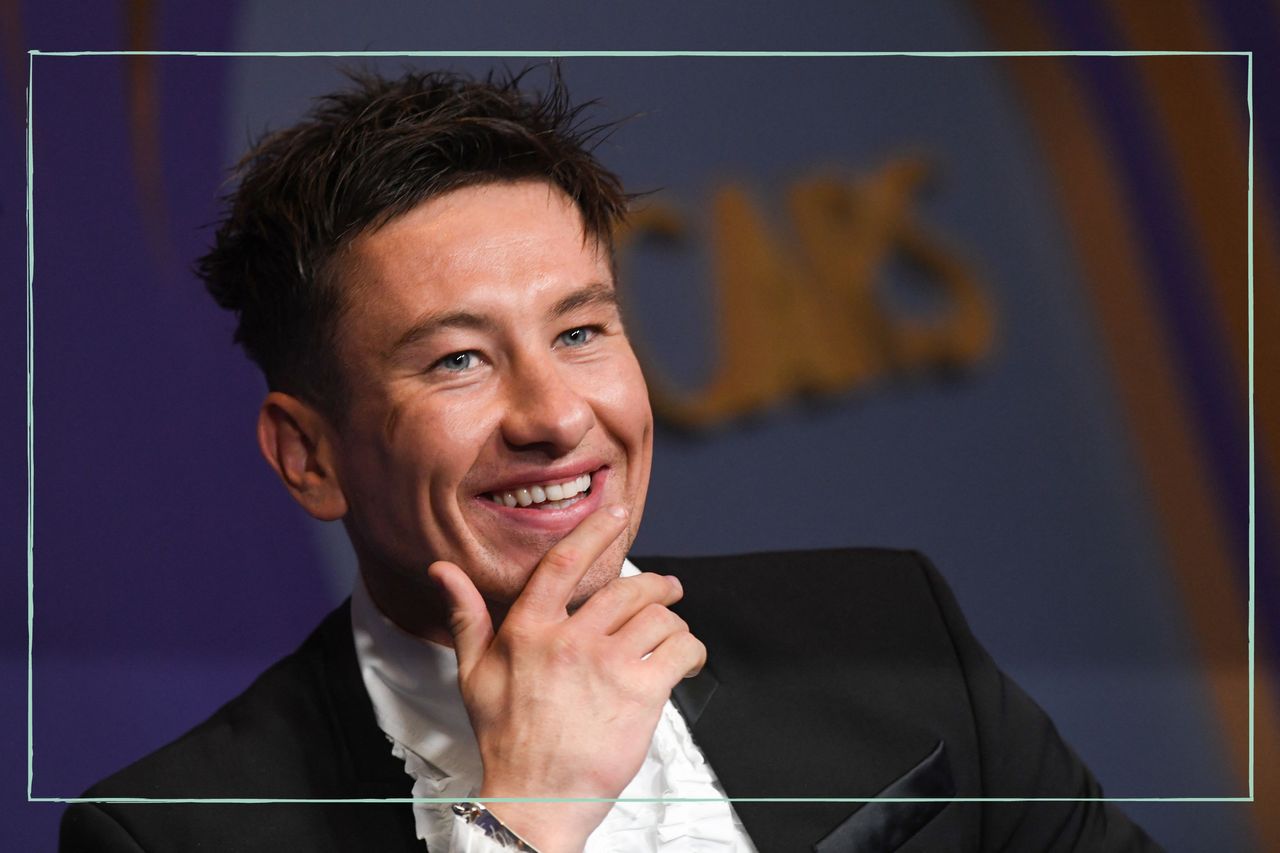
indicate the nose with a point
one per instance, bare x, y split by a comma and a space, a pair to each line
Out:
543, 408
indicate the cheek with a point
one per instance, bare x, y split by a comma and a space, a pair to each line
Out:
411, 453
623, 407
437, 449
624, 398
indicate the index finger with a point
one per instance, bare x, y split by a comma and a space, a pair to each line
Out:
550, 588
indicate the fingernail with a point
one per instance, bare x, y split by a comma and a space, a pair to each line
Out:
675, 581
618, 511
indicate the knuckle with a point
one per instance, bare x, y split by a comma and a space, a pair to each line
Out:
689, 645
458, 622
624, 593
677, 624
516, 631
655, 583
662, 615
627, 595
655, 588
653, 611
562, 558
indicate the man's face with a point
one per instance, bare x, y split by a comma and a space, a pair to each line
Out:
487, 365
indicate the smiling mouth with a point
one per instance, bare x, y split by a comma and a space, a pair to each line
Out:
545, 495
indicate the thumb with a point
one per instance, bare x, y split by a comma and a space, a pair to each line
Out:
469, 621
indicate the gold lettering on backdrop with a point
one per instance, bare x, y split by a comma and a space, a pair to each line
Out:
808, 316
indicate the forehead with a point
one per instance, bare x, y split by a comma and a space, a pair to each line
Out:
505, 245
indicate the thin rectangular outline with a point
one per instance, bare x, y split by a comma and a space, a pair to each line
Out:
552, 54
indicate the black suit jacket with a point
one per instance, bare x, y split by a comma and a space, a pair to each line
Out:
833, 674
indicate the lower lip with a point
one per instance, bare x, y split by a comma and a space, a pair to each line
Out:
556, 520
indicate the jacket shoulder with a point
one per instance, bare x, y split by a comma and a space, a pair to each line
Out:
254, 746
304, 730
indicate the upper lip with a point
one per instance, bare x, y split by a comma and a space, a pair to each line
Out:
526, 477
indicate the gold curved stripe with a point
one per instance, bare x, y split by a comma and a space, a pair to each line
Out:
1201, 117
1158, 413
141, 91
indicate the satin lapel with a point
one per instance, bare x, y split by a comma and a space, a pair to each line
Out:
875, 827
693, 695
728, 748
882, 826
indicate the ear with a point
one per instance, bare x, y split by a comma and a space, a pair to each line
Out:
298, 443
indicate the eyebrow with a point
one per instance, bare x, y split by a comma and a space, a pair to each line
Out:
597, 293
434, 322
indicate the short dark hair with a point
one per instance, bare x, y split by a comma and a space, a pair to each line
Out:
361, 157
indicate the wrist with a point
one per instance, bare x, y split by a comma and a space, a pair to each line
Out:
484, 823
549, 827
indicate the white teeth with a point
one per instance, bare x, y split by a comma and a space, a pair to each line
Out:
546, 496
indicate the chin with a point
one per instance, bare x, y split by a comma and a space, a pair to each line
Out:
587, 588
605, 569
504, 586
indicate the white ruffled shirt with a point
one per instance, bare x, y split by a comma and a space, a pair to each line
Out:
413, 684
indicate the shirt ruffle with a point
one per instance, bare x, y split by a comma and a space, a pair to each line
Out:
413, 687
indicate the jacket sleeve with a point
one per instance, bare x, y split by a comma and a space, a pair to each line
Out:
1022, 755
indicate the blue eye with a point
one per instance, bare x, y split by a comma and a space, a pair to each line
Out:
457, 362
577, 337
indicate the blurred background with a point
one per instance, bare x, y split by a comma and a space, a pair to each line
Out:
995, 308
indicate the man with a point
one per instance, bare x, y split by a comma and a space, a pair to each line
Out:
423, 269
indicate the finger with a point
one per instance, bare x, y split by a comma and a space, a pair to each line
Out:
681, 655
647, 630
469, 621
622, 598
551, 586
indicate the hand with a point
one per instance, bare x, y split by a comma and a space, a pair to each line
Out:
565, 706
